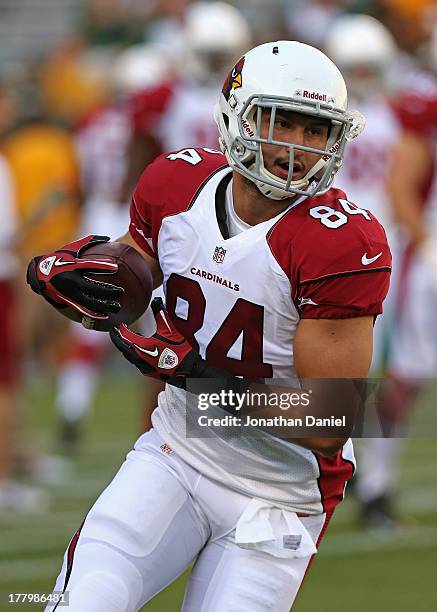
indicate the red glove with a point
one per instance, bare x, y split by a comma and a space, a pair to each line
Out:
165, 354
60, 278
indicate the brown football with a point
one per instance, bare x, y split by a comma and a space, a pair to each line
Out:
133, 275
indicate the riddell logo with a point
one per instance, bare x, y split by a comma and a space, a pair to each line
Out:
247, 128
314, 95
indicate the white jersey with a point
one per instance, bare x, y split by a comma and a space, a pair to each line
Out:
363, 174
8, 225
238, 300
102, 143
178, 114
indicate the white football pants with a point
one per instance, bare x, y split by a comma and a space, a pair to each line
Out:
156, 517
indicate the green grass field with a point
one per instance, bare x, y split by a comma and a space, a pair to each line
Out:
355, 570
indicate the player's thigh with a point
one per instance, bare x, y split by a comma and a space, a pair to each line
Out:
142, 532
226, 577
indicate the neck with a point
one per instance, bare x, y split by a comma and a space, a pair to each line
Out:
251, 205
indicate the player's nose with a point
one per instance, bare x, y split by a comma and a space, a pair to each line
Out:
297, 135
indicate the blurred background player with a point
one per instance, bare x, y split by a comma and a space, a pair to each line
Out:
44, 166
412, 187
72, 80
178, 114
102, 139
8, 317
46, 206
13, 495
368, 71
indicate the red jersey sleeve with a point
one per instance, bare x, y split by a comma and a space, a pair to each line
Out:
148, 106
168, 186
336, 257
416, 106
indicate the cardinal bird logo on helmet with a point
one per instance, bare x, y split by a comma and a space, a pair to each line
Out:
234, 80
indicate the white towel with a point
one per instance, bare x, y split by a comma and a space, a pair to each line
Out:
280, 533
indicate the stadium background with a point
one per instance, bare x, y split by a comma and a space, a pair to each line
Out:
42, 44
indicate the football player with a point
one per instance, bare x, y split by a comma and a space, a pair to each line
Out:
268, 272
413, 190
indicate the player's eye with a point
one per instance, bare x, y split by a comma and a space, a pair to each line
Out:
314, 130
317, 130
282, 123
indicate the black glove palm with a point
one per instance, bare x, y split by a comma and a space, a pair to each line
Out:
60, 277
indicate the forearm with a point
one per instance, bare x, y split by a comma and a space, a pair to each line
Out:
409, 171
408, 207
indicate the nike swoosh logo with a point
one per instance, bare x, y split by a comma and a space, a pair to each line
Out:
153, 353
367, 261
59, 262
306, 301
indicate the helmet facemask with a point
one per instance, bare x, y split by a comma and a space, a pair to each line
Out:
246, 156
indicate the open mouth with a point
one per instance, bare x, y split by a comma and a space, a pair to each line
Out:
282, 168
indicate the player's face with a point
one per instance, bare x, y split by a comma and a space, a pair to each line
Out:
297, 129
